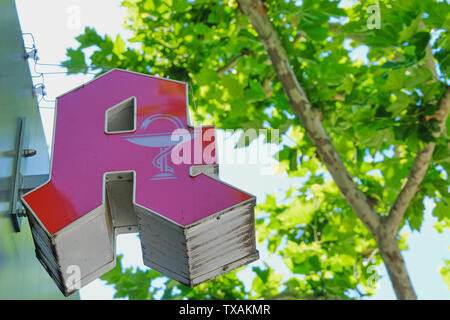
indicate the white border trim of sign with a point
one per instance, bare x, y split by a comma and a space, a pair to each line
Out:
134, 99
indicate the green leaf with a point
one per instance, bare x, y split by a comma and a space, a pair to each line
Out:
441, 210
76, 62
347, 85
410, 30
420, 40
89, 38
293, 159
445, 273
297, 212
119, 46
409, 61
115, 274
232, 84
431, 91
395, 80
255, 93
317, 33
414, 213
206, 76
402, 102
377, 138
201, 28
418, 76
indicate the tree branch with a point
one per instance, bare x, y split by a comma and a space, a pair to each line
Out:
417, 173
297, 38
386, 236
310, 118
233, 61
230, 64
420, 165
336, 28
267, 84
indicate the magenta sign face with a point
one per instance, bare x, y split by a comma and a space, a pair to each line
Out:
83, 152
125, 159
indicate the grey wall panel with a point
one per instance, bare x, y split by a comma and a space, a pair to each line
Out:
21, 274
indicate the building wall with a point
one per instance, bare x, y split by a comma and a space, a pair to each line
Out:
21, 274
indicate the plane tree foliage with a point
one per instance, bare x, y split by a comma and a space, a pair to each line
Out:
376, 90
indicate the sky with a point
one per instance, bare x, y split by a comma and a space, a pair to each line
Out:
55, 24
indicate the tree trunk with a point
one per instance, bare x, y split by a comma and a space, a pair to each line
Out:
396, 267
310, 118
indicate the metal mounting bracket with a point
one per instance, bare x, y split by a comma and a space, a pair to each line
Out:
21, 184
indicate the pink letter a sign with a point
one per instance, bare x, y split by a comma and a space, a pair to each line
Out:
116, 169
